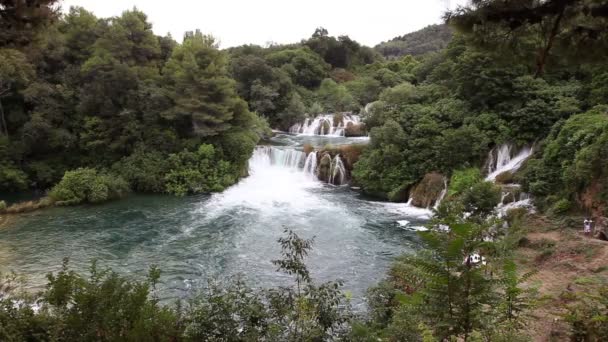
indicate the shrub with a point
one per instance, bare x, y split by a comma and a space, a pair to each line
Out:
145, 171
562, 206
481, 198
12, 179
463, 179
86, 185
2, 206
199, 172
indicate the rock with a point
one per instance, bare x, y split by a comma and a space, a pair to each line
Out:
325, 128
323, 168
338, 119
504, 178
355, 130
428, 190
601, 228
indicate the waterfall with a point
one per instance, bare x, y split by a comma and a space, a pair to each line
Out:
325, 124
337, 171
442, 194
264, 156
310, 166
500, 160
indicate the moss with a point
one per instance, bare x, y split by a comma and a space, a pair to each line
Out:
505, 178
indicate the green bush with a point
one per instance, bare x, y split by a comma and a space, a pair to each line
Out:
199, 172
145, 171
86, 185
12, 179
481, 198
2, 206
463, 180
561, 207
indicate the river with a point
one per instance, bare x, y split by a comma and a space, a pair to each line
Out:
199, 238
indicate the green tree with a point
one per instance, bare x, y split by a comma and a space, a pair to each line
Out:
202, 93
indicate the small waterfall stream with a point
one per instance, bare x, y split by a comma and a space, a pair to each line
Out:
502, 160
326, 124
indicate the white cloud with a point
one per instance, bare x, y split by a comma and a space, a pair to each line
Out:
236, 22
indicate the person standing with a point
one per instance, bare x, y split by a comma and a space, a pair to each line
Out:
587, 226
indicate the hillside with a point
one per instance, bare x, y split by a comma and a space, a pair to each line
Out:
430, 39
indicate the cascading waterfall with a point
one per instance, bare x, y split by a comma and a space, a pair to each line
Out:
265, 156
310, 166
325, 124
442, 194
337, 171
500, 160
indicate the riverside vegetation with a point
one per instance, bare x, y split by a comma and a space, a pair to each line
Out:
93, 108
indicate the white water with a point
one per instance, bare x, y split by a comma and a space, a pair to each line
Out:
337, 171
501, 160
442, 194
310, 166
324, 125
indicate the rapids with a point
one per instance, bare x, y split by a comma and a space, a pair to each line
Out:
199, 238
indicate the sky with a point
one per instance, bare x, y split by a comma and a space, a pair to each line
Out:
237, 22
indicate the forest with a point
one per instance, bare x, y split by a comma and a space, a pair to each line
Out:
92, 109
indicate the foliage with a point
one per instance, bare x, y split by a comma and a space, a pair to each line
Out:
432, 38
86, 185
197, 172
443, 292
463, 180
573, 161
106, 306
108, 93
588, 318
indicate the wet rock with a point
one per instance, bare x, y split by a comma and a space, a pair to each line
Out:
504, 178
324, 167
425, 193
355, 130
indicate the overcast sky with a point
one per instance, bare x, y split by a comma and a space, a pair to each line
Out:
237, 22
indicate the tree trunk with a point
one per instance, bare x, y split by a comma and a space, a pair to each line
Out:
541, 60
4, 127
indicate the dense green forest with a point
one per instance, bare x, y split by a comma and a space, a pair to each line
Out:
432, 38
93, 108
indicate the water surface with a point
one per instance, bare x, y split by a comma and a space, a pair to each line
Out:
198, 238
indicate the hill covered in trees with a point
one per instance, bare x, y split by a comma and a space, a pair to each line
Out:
429, 39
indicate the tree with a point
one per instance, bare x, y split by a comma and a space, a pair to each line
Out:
202, 93
549, 25
21, 20
15, 72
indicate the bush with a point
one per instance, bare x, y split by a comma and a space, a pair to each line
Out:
561, 207
481, 198
198, 172
2, 206
463, 180
12, 179
85, 185
145, 171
